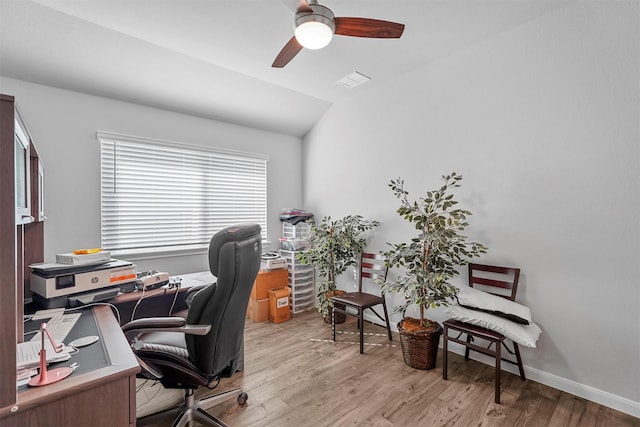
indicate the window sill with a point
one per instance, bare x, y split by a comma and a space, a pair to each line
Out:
153, 253
166, 252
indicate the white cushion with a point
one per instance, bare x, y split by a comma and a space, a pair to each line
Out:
471, 298
526, 335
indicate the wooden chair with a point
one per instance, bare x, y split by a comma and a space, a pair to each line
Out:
371, 267
491, 279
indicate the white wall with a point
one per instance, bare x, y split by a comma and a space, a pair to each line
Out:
63, 125
542, 122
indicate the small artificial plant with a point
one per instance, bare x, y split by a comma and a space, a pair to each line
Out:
334, 246
431, 258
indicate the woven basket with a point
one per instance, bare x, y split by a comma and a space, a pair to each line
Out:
340, 317
420, 350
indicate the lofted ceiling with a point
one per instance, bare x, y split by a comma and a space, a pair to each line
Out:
212, 58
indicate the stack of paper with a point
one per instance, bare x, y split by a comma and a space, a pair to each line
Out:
28, 354
73, 258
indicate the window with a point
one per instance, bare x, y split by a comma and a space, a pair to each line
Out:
165, 196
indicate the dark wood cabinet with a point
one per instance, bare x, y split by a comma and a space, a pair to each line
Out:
21, 231
103, 396
9, 279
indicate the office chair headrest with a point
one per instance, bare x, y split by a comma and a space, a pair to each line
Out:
231, 234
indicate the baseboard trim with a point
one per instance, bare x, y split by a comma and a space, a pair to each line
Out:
601, 397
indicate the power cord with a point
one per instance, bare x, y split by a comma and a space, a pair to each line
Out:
141, 278
211, 386
115, 310
135, 307
175, 284
142, 389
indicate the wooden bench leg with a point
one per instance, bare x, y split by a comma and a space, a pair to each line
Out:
444, 353
516, 349
333, 323
466, 348
386, 318
361, 322
498, 368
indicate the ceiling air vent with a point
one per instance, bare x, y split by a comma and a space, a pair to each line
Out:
352, 80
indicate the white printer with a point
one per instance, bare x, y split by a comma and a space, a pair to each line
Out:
60, 285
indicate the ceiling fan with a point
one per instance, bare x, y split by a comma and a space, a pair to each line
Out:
315, 25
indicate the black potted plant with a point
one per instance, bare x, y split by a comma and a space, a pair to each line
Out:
430, 260
334, 247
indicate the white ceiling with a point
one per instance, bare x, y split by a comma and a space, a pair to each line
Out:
212, 58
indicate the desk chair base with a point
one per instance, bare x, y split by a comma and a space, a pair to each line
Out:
193, 410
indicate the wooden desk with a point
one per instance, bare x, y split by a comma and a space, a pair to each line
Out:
157, 302
104, 396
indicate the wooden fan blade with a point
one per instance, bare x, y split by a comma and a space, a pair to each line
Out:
288, 52
365, 27
298, 5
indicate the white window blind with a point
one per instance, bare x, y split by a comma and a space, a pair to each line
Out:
165, 195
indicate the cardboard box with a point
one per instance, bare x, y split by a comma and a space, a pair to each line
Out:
267, 280
279, 305
259, 310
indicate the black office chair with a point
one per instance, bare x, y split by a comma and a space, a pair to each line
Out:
497, 279
371, 267
198, 350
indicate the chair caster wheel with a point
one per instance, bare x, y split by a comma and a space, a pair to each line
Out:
242, 398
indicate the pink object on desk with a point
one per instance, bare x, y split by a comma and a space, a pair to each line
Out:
49, 377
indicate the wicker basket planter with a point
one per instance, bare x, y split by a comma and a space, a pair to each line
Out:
340, 317
419, 347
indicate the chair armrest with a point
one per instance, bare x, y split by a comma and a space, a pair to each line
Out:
165, 324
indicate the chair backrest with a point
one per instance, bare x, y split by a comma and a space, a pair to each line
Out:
371, 267
501, 281
234, 258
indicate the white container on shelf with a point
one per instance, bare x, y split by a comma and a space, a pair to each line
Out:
299, 230
301, 281
301, 304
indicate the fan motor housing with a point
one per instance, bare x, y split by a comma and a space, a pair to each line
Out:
320, 14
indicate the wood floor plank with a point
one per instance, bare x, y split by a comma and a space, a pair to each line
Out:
295, 375
570, 412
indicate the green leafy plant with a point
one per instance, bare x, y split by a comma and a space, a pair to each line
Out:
334, 246
430, 259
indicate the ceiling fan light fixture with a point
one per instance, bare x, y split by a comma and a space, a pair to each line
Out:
315, 25
313, 34
314, 30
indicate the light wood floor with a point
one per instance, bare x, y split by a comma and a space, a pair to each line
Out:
296, 376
